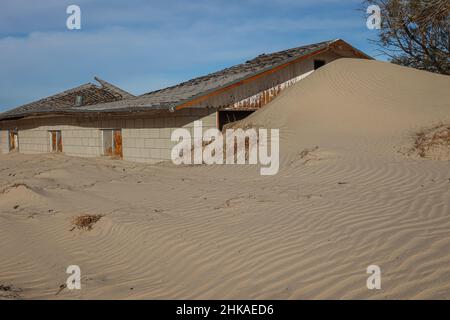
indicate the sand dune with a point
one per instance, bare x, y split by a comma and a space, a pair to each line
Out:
352, 104
349, 194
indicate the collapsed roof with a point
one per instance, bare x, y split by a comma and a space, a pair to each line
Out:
70, 100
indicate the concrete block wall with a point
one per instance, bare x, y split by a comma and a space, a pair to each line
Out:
148, 140
82, 142
33, 141
34, 137
4, 143
144, 139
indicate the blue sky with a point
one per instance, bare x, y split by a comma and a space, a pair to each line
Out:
146, 45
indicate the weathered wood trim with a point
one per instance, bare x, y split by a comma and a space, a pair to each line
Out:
250, 79
358, 53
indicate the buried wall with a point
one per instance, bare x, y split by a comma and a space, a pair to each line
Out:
79, 139
4, 141
149, 139
144, 138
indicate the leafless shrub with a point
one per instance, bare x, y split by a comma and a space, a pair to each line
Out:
415, 33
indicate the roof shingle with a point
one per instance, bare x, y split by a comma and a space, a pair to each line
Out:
65, 101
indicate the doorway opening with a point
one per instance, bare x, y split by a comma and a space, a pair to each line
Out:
226, 117
112, 143
56, 141
13, 140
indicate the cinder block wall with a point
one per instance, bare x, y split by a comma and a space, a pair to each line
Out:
79, 137
148, 140
144, 139
4, 147
34, 140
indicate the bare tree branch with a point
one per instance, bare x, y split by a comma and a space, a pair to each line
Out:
416, 33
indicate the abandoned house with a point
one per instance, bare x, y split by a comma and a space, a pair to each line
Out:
104, 120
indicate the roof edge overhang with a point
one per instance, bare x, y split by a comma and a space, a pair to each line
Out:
86, 114
216, 91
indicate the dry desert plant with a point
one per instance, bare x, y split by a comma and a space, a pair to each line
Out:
86, 221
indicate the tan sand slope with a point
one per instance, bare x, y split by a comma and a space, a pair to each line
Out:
352, 103
346, 197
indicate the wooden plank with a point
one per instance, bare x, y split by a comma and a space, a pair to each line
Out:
118, 151
12, 142
60, 145
53, 141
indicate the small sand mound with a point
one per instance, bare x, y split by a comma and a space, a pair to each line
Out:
14, 186
86, 222
433, 143
20, 193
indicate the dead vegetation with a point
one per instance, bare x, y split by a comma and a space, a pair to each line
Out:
306, 155
10, 292
86, 221
306, 152
433, 143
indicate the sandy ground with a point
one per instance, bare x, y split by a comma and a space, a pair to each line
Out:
360, 197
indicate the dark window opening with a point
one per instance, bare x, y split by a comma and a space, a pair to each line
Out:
226, 117
78, 101
318, 64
